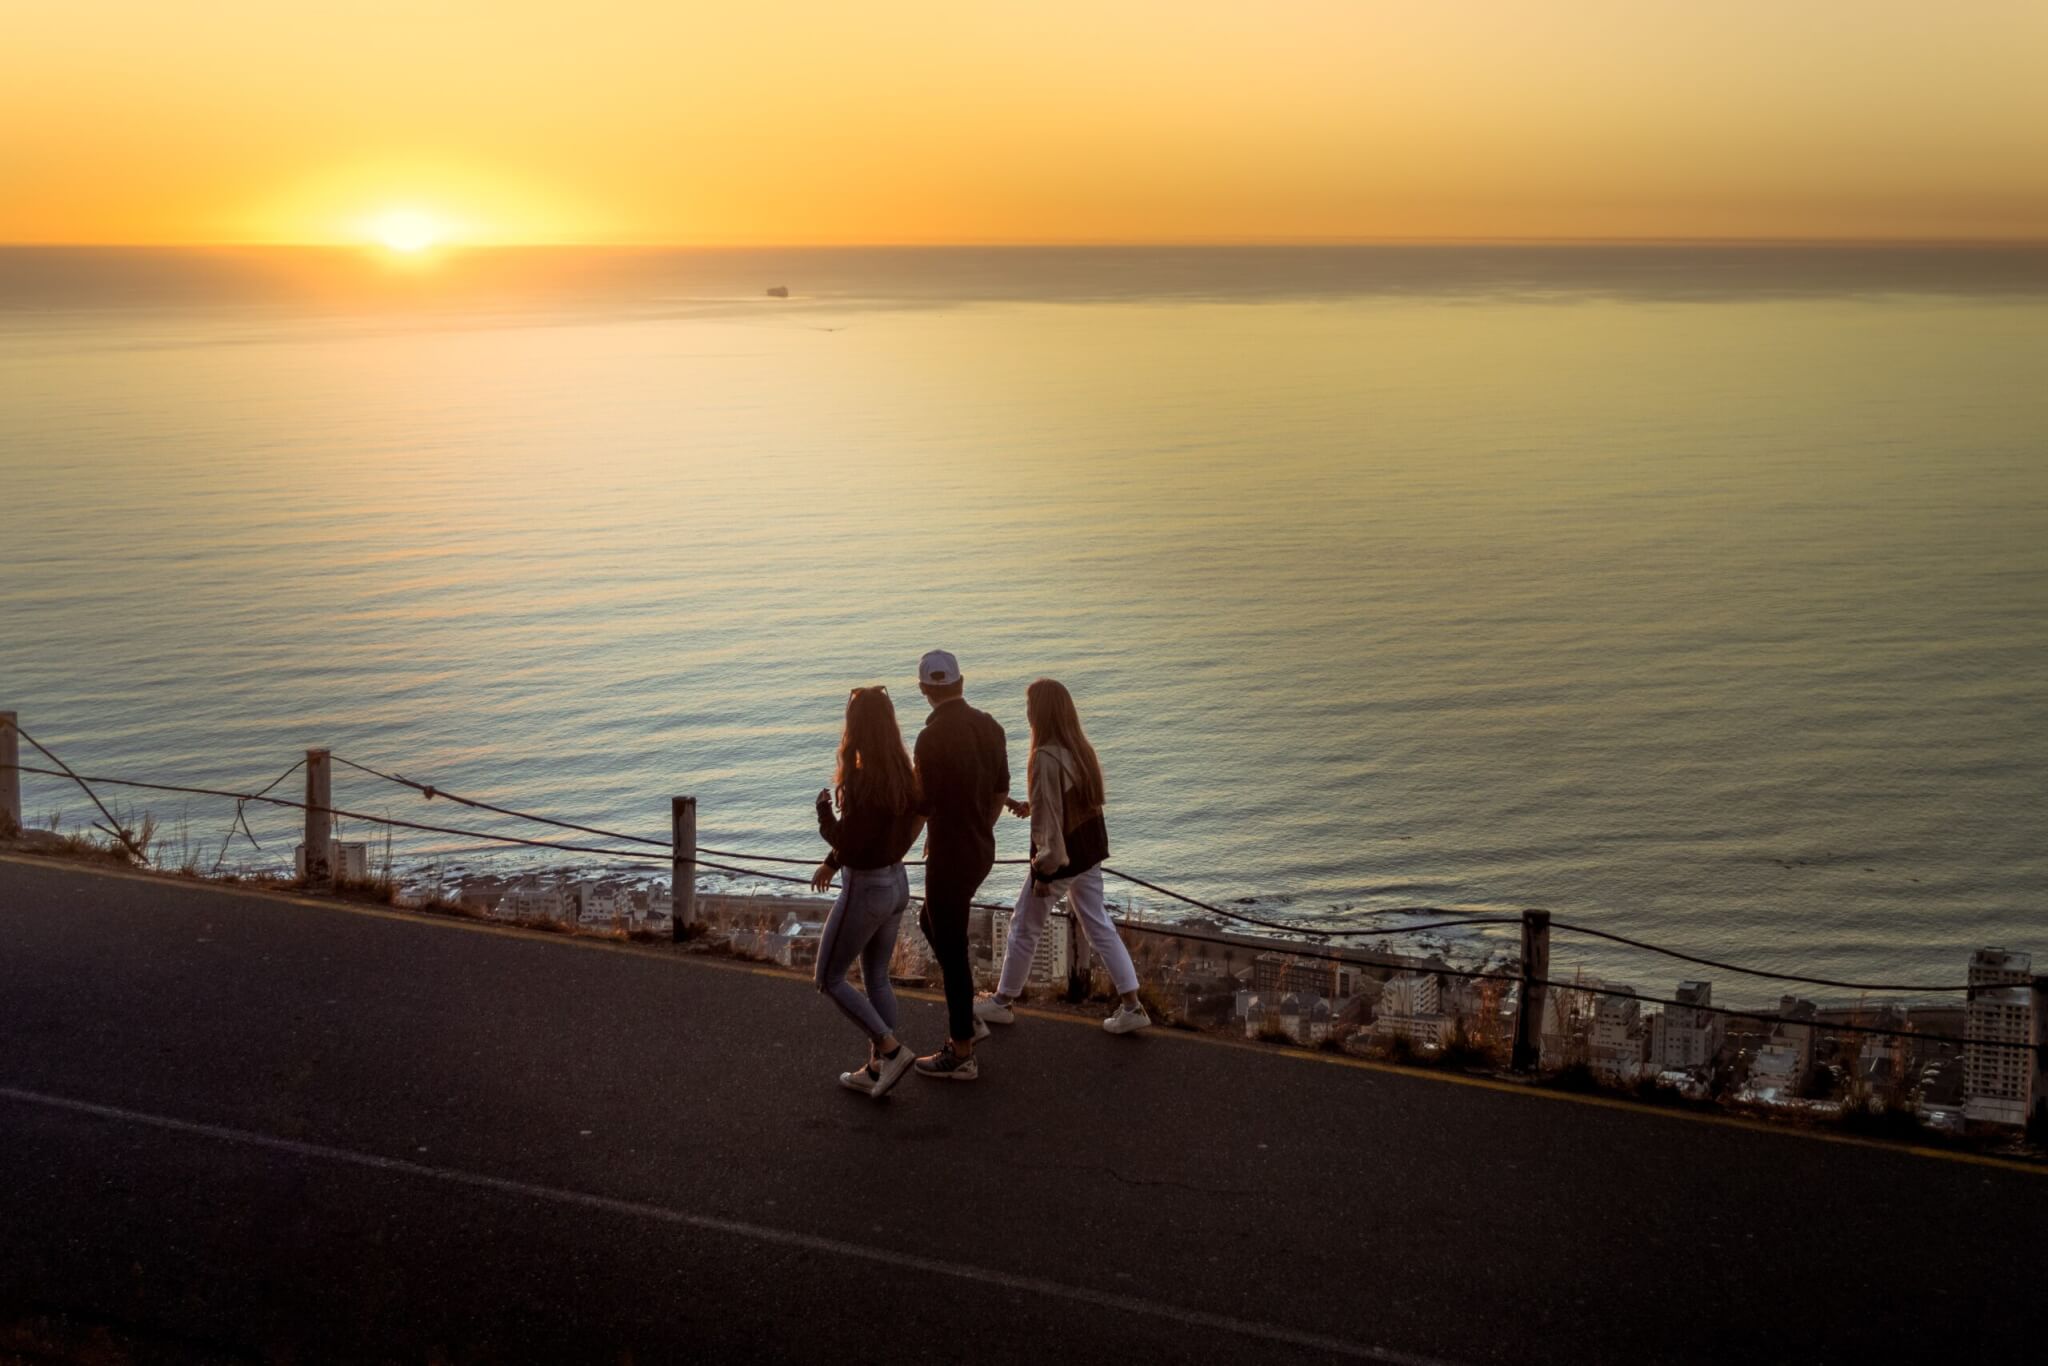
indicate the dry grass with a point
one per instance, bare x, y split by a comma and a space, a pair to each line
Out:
377, 889
444, 905
79, 845
1466, 1055
1155, 1005
55, 1338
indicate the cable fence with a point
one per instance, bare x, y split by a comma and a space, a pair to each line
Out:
1307, 984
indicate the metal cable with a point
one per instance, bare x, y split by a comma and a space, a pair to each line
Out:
431, 791
241, 820
1761, 972
1479, 917
1465, 919
113, 827
484, 835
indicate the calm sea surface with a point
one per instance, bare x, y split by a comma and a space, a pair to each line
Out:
1697, 594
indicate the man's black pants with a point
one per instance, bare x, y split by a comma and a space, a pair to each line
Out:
948, 891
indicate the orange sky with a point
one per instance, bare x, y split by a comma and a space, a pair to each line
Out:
1060, 120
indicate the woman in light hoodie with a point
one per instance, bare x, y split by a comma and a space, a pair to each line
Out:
1069, 841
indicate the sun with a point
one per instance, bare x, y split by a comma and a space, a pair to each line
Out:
407, 230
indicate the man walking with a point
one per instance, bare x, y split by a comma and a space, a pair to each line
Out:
963, 767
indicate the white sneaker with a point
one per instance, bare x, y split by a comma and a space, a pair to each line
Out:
860, 1079
980, 1029
1126, 1020
994, 1011
891, 1070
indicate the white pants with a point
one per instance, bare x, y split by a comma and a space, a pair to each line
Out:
1084, 899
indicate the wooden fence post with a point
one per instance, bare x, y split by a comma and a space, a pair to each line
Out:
2038, 1097
1535, 972
683, 866
10, 776
319, 821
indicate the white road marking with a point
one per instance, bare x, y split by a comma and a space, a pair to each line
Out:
633, 1209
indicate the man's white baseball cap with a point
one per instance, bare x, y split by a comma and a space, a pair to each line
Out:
938, 669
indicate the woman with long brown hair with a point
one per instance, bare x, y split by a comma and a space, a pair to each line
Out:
1069, 841
870, 818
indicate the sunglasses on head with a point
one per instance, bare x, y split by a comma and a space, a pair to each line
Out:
879, 687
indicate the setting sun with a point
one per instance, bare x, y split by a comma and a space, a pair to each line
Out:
407, 230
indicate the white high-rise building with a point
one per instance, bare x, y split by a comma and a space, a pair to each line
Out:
600, 905
1054, 959
531, 899
1411, 1007
1998, 1082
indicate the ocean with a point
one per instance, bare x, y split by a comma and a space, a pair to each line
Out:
1699, 594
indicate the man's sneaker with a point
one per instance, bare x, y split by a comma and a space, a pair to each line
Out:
890, 1070
994, 1011
1126, 1020
981, 1030
860, 1079
946, 1065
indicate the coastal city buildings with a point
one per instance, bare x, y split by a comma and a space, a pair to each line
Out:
1305, 1017
1567, 1025
1411, 1007
1619, 1047
530, 900
585, 904
1687, 1037
1275, 974
602, 905
1880, 1058
1776, 1075
1800, 1054
351, 860
1999, 1066
794, 944
1795, 1028
1054, 959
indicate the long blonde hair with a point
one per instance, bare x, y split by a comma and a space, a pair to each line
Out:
873, 765
1049, 707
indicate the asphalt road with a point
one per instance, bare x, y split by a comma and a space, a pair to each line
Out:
243, 1128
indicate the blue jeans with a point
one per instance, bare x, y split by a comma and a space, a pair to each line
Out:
863, 925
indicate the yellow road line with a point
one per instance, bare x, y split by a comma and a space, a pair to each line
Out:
1200, 1039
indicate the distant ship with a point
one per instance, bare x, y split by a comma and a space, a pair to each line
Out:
778, 291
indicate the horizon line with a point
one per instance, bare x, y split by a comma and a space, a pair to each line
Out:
1008, 244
